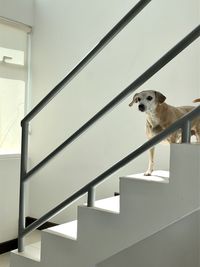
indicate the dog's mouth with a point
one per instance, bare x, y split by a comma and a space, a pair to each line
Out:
141, 107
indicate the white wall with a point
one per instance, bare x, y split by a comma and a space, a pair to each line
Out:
17, 10
20, 11
176, 246
9, 195
63, 34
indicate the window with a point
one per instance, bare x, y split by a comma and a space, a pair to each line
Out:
13, 80
11, 56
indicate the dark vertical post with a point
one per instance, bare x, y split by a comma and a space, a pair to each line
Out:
91, 196
186, 132
23, 171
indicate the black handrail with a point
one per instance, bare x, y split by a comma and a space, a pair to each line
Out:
192, 36
104, 42
146, 146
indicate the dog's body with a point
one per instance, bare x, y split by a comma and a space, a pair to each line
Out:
160, 116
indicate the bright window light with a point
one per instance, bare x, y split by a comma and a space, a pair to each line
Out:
13, 84
12, 95
11, 56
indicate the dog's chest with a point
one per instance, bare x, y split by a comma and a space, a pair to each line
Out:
153, 120
155, 126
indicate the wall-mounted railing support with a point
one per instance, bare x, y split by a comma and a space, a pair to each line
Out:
186, 132
91, 197
23, 171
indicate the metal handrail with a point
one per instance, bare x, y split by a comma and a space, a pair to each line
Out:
25, 122
182, 123
192, 36
24, 176
179, 124
93, 53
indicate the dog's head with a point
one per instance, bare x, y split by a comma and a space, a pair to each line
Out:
148, 100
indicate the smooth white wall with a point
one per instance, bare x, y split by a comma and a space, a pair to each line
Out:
63, 34
9, 195
17, 10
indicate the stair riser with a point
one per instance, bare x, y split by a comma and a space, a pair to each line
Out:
19, 261
63, 248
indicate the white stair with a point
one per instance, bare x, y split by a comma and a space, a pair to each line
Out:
68, 230
30, 257
145, 205
31, 251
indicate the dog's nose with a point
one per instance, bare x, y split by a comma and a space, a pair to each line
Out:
141, 107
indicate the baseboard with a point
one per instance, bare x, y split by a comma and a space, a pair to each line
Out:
30, 220
8, 246
12, 244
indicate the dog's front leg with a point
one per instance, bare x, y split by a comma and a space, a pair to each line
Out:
151, 162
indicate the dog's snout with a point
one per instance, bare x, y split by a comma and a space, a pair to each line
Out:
141, 107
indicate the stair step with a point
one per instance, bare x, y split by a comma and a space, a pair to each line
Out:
157, 176
68, 230
147, 204
32, 251
111, 204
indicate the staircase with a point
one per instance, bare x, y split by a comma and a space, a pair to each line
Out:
145, 206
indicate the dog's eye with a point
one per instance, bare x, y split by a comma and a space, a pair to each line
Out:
139, 99
149, 98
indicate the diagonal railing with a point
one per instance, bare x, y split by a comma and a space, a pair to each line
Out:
25, 122
92, 54
125, 93
185, 123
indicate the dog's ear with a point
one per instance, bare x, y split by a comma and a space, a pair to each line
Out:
160, 97
196, 100
135, 100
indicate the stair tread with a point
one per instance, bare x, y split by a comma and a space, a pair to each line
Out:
32, 251
158, 176
68, 229
111, 204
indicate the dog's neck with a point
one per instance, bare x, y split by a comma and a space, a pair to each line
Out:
154, 117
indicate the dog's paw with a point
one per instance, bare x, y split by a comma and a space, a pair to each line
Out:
147, 173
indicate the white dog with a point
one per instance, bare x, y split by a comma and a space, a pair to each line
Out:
160, 116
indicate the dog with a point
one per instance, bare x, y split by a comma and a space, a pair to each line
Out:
160, 116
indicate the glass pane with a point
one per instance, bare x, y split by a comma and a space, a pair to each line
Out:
12, 95
11, 56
